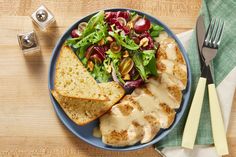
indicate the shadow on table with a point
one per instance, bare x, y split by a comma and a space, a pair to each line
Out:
48, 38
35, 64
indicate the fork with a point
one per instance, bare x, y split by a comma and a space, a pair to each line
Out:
211, 44
212, 40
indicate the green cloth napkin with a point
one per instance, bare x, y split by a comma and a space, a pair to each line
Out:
223, 63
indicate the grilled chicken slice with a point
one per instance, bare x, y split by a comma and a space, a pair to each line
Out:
171, 80
161, 111
125, 124
171, 61
175, 69
169, 95
169, 50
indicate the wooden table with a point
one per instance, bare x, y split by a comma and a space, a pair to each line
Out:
28, 123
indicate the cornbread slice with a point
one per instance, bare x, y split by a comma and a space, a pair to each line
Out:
85, 111
73, 80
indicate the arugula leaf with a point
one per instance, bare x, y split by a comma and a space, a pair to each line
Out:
133, 13
92, 38
84, 61
114, 59
113, 55
124, 41
107, 64
94, 23
147, 55
81, 52
151, 67
149, 62
154, 33
137, 58
155, 30
71, 41
100, 74
98, 18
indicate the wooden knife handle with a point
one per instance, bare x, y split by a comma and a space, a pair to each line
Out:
218, 128
191, 126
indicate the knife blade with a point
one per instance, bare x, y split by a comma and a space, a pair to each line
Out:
200, 33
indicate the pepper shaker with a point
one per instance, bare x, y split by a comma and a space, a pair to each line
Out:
28, 43
42, 17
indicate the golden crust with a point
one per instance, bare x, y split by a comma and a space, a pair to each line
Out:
60, 74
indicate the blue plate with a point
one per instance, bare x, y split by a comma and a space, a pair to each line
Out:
86, 132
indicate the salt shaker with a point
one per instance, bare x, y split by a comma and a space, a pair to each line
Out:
42, 17
28, 43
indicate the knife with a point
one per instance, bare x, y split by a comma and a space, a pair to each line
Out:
191, 125
200, 33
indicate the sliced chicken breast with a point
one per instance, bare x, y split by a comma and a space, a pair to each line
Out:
175, 69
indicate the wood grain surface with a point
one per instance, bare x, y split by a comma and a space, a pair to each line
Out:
28, 124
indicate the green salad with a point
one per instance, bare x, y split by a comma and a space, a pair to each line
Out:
117, 46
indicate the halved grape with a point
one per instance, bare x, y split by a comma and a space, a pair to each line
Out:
142, 25
115, 47
75, 33
126, 65
82, 26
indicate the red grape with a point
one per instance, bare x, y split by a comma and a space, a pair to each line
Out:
75, 33
142, 25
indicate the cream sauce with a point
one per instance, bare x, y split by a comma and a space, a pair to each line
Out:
171, 80
169, 65
150, 104
171, 51
97, 132
161, 92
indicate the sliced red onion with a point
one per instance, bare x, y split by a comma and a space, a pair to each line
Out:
124, 14
133, 84
75, 33
122, 21
89, 52
113, 74
95, 58
134, 74
109, 15
119, 25
113, 18
100, 51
